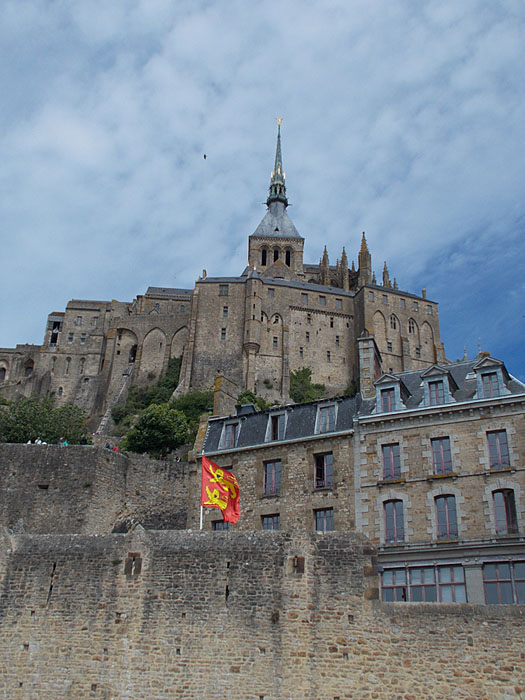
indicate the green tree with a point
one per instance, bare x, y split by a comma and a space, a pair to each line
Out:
302, 389
29, 419
158, 430
193, 405
249, 397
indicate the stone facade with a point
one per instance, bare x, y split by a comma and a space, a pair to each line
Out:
279, 315
429, 467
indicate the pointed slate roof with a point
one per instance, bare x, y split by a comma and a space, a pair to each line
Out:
276, 222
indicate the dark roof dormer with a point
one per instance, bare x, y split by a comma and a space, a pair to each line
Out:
492, 378
391, 394
439, 386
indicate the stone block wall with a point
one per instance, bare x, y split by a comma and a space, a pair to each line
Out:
85, 489
235, 616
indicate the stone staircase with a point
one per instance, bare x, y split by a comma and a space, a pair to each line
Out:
121, 387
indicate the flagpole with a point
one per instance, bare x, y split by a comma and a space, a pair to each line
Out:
202, 509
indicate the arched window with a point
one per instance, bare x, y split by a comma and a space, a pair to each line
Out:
264, 256
68, 364
60, 391
411, 326
2, 374
447, 523
393, 322
288, 257
505, 512
394, 526
276, 252
82, 364
28, 368
132, 354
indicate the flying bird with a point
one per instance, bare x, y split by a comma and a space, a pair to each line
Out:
204, 156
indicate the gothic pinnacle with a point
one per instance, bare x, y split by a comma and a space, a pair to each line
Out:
277, 179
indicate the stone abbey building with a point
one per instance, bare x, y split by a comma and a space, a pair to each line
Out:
380, 552
279, 315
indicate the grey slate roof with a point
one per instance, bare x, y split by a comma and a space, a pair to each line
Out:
169, 291
276, 223
302, 417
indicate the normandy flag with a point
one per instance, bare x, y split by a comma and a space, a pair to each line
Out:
219, 489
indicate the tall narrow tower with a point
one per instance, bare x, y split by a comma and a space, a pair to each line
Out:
275, 249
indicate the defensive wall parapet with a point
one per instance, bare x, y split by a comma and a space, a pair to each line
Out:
86, 490
234, 616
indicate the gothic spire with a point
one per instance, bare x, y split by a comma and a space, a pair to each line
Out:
277, 185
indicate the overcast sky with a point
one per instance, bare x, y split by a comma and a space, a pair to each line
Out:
402, 118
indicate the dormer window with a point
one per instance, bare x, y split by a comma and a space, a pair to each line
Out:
439, 386
391, 394
276, 427
436, 393
387, 400
491, 378
326, 417
489, 382
230, 433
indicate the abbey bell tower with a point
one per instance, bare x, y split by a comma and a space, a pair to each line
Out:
275, 249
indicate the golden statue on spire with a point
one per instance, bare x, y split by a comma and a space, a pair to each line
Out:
279, 120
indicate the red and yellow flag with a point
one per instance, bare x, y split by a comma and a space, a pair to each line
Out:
219, 489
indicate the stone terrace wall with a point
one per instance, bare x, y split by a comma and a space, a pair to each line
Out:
84, 489
234, 616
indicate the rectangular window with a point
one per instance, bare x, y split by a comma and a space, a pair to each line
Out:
324, 470
415, 306
94, 321
182, 308
157, 307
498, 449
223, 290
394, 526
309, 319
70, 337
271, 522
224, 311
441, 456
389, 346
326, 419
337, 341
78, 321
304, 299
429, 310
339, 304
230, 435
271, 292
385, 299
426, 584
277, 427
83, 337
324, 520
489, 382
394, 585
447, 525
223, 333
220, 525
328, 356
307, 336
275, 342
504, 583
505, 512
387, 400
436, 393
272, 478
331, 321
402, 304
371, 296
322, 300
418, 352
301, 353
391, 461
